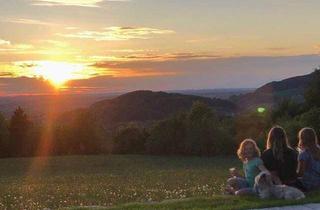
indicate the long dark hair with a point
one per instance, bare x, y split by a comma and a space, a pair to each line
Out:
308, 140
278, 142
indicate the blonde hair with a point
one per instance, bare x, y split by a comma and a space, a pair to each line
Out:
240, 151
308, 140
278, 142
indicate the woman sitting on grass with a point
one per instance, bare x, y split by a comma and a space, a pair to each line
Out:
280, 159
249, 154
309, 159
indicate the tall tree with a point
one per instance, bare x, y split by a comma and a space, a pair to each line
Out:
19, 128
167, 137
130, 139
80, 134
4, 137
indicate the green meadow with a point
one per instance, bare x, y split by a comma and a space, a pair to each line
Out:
121, 182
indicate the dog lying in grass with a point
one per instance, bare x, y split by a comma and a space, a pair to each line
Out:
266, 189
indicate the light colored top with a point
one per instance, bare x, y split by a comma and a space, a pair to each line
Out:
251, 170
311, 175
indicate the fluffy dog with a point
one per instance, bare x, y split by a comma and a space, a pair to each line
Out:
266, 189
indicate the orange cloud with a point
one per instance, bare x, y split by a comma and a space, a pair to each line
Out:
118, 33
141, 73
80, 3
30, 22
113, 61
6, 74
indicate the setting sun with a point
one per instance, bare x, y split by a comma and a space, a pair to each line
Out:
57, 73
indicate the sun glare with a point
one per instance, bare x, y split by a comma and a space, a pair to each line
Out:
57, 73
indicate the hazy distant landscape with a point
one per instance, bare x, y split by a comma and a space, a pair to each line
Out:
267, 95
216, 93
38, 105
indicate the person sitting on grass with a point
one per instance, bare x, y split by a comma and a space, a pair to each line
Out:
280, 159
309, 159
249, 154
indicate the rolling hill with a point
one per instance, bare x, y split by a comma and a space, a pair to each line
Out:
143, 106
270, 94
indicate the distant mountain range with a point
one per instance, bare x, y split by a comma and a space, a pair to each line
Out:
216, 93
148, 105
38, 105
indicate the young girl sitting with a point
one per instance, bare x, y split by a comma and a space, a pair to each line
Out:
249, 154
309, 159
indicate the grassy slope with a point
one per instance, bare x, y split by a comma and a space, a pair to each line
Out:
150, 182
107, 180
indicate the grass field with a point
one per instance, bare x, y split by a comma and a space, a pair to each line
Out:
120, 182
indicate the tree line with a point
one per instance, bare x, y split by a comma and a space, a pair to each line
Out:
198, 131
195, 132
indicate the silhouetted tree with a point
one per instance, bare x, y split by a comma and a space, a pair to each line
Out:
197, 132
81, 135
311, 119
202, 130
130, 139
19, 127
167, 137
4, 137
312, 94
252, 125
286, 108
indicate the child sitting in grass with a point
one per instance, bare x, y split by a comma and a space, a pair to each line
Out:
309, 159
249, 154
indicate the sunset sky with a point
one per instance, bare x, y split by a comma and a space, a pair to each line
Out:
94, 46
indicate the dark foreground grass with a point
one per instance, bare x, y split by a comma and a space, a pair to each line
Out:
145, 182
